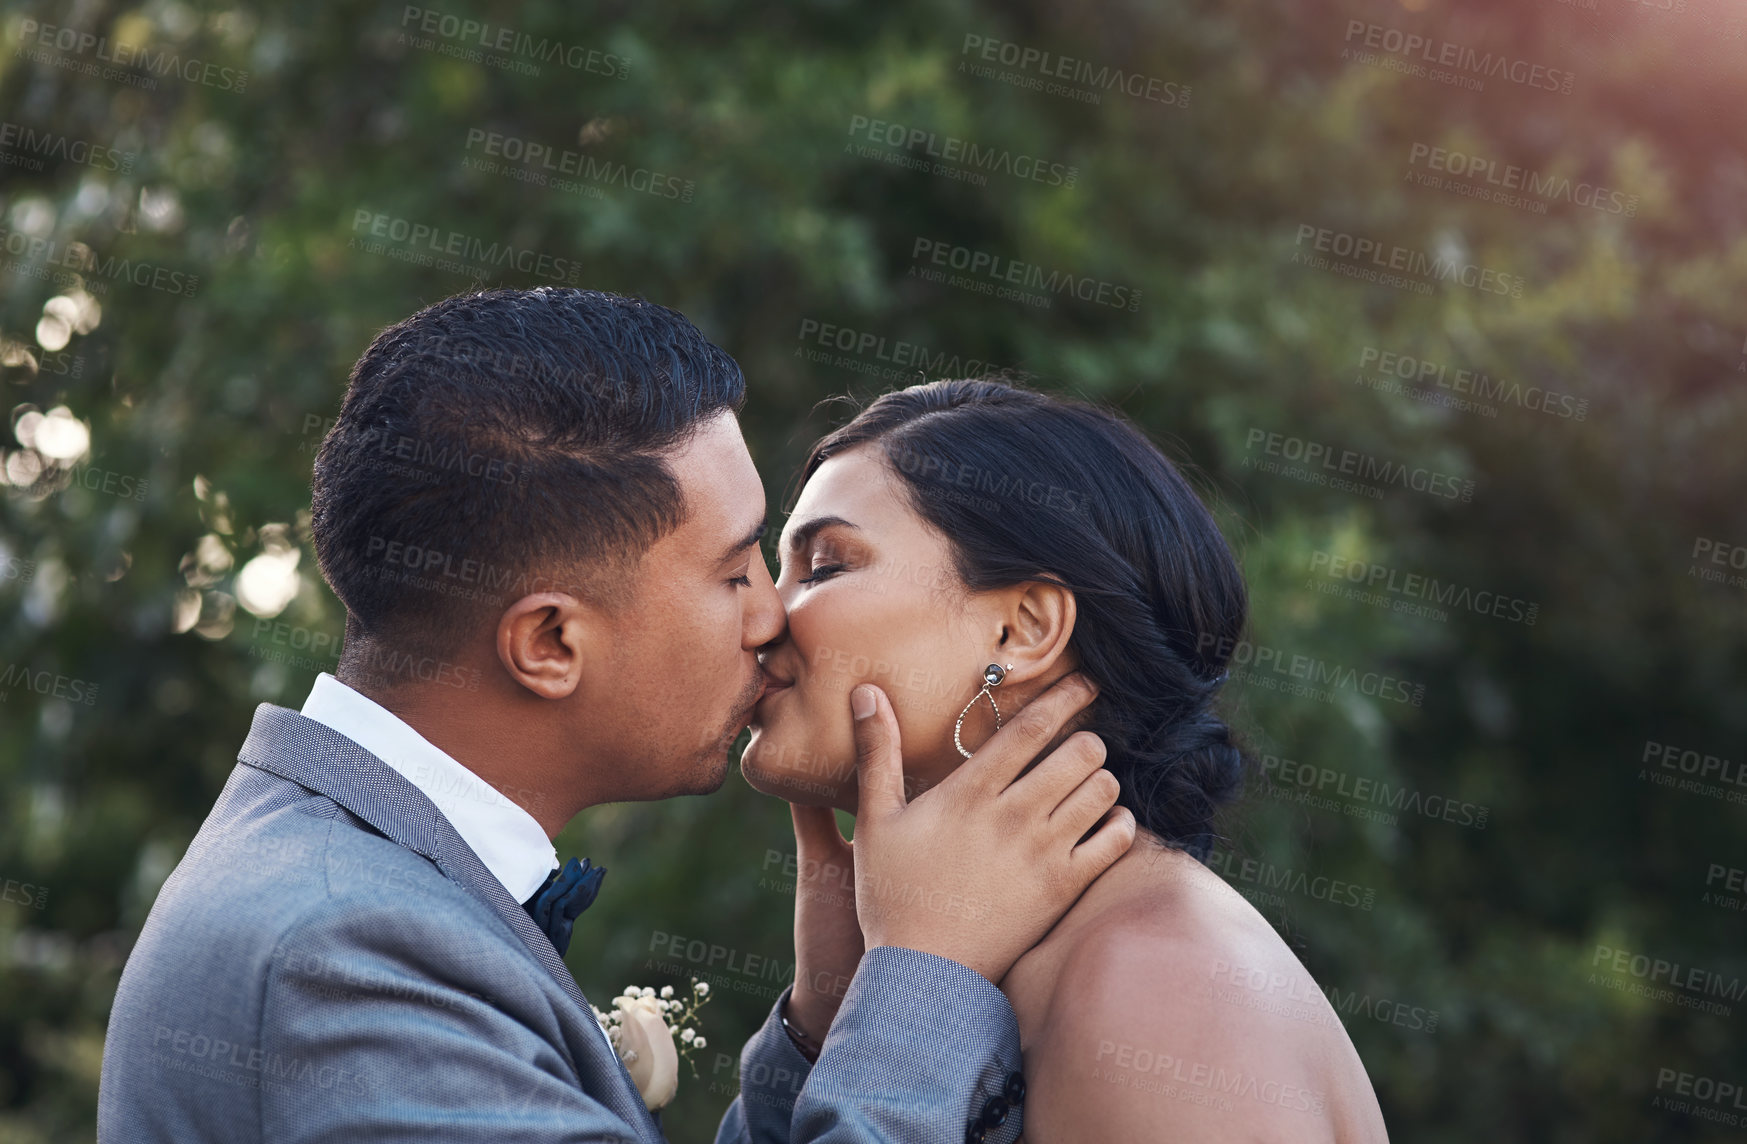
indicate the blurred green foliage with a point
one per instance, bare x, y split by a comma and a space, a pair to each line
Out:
211, 396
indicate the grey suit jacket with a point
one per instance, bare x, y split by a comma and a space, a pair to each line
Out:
331, 962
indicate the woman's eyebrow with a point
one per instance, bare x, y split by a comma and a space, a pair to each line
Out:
802, 533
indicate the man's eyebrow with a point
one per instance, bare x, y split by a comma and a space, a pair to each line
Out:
752, 538
802, 533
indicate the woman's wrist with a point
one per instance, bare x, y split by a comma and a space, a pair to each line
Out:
806, 1044
814, 1009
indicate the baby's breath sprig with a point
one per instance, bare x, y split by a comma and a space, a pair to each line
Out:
682, 1018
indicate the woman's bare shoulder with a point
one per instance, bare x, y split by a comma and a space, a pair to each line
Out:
1172, 1007
1148, 944
1164, 958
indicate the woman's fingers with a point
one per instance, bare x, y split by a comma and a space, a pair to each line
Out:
1108, 843
1086, 804
1063, 772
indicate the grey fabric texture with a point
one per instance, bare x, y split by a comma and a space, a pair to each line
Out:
330, 962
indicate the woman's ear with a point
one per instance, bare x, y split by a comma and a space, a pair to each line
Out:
1037, 622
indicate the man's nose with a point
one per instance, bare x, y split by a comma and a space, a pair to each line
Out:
768, 622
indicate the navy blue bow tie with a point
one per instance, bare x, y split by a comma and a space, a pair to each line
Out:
567, 892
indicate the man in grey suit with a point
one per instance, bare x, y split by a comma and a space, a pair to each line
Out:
543, 522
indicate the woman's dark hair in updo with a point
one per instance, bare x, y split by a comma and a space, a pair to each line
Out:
1028, 486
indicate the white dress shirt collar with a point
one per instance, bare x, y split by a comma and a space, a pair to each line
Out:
513, 846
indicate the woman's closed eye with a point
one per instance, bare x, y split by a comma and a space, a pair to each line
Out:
823, 572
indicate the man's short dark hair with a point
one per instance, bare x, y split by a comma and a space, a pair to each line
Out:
507, 442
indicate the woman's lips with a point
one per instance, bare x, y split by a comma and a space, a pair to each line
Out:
772, 685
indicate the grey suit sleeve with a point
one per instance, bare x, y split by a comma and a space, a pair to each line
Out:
382, 1025
918, 1046
772, 1072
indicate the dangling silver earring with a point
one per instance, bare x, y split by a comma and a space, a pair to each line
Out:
992, 677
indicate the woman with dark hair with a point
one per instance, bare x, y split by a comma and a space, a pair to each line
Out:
964, 545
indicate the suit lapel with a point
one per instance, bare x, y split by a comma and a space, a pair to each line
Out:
316, 756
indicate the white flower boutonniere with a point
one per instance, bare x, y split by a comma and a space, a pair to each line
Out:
651, 1031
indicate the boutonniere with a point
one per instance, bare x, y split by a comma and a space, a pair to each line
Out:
651, 1031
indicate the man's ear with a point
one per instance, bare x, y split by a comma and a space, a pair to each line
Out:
546, 640
1037, 620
